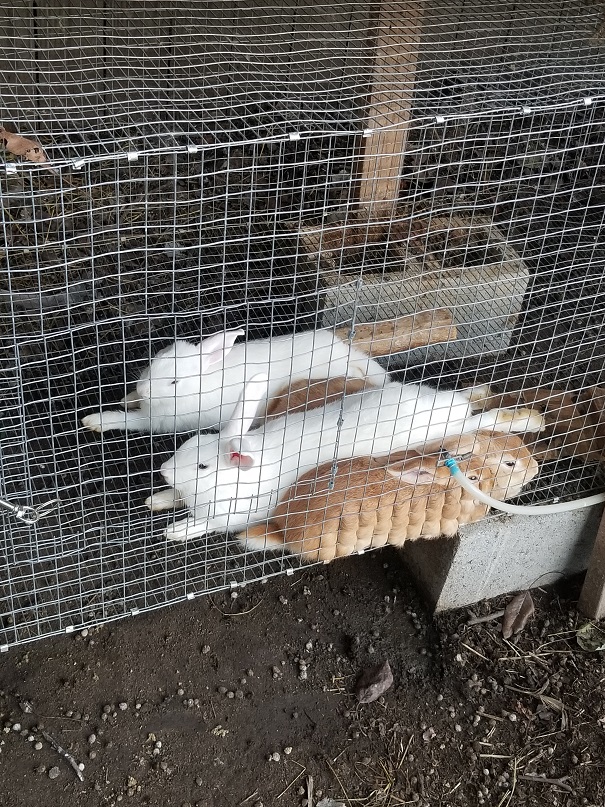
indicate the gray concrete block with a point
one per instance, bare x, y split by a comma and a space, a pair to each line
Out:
502, 554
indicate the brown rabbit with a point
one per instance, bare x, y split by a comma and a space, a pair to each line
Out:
371, 502
304, 395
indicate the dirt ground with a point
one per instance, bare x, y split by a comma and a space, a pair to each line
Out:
238, 698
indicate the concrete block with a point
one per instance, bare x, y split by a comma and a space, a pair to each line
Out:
502, 554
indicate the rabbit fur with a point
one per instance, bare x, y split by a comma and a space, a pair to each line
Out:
370, 502
188, 387
236, 478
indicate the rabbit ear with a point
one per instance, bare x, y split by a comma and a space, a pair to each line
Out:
246, 407
240, 453
416, 473
214, 349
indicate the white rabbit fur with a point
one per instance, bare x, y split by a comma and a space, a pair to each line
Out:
188, 387
234, 479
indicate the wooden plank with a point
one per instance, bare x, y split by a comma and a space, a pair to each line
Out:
18, 88
592, 597
69, 67
396, 46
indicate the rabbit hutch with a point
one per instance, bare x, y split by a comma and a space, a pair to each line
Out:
172, 171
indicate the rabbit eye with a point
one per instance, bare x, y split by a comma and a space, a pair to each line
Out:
473, 478
202, 467
510, 464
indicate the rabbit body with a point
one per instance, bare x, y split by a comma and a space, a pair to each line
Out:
188, 387
365, 502
232, 480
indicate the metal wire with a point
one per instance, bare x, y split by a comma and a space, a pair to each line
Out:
278, 167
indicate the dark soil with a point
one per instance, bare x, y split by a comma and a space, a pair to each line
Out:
186, 706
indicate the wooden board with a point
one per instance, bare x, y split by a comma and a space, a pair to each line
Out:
397, 43
592, 597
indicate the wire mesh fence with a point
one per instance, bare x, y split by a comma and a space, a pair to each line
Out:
219, 165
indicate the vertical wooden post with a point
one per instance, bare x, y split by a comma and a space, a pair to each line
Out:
396, 47
592, 597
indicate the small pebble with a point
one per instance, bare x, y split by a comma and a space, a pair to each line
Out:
206, 649
288, 750
16, 726
274, 757
92, 755
199, 781
54, 772
38, 746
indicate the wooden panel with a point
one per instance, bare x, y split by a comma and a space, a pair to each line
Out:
17, 63
592, 596
397, 43
70, 65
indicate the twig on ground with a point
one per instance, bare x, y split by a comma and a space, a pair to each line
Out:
65, 754
530, 777
336, 776
309, 784
296, 778
477, 620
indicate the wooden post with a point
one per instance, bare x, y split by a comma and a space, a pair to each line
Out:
592, 597
396, 46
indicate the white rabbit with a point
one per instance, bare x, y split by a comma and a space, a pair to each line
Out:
236, 478
189, 387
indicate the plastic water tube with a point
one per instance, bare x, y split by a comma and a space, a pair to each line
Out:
517, 509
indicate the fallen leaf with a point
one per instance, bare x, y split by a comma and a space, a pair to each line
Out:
22, 146
552, 703
517, 614
330, 803
373, 682
591, 637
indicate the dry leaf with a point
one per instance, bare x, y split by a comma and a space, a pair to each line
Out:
591, 637
517, 614
330, 803
373, 682
22, 146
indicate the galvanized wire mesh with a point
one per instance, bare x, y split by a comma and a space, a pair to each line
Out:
218, 164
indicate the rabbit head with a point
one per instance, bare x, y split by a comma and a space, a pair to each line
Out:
501, 464
211, 471
177, 371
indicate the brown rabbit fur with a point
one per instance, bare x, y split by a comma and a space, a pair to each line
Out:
304, 395
378, 501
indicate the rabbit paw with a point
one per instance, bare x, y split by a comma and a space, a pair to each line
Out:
521, 420
163, 500
104, 421
185, 529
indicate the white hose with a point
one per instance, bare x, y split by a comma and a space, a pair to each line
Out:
524, 510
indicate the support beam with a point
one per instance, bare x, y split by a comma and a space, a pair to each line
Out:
592, 598
396, 47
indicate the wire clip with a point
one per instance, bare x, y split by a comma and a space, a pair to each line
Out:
28, 514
